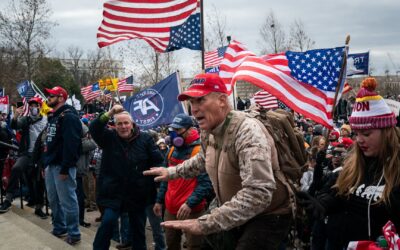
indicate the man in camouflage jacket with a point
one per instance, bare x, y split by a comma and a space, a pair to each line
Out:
240, 159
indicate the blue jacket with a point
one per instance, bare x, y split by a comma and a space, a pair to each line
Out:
63, 139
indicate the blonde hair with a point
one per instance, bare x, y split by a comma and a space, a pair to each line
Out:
354, 165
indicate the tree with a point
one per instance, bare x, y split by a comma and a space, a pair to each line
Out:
11, 71
298, 38
75, 54
25, 26
273, 35
50, 73
148, 66
215, 34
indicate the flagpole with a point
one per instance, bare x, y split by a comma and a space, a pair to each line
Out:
178, 78
36, 88
202, 34
341, 75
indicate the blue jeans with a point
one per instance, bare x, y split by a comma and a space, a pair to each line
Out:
137, 221
158, 232
63, 201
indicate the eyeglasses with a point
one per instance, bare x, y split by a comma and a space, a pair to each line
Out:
51, 96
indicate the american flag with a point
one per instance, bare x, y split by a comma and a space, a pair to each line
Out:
214, 58
304, 81
107, 94
126, 85
233, 57
165, 25
91, 92
266, 100
29, 93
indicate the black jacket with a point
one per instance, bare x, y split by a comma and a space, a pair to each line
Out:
121, 183
63, 139
348, 216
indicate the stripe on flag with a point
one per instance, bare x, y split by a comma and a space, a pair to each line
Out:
273, 74
266, 100
233, 57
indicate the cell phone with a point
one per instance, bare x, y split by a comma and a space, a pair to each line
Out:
20, 104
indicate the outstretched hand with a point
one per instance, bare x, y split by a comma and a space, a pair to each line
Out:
160, 173
187, 226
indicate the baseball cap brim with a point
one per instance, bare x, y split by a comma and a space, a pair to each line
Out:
192, 93
51, 91
177, 126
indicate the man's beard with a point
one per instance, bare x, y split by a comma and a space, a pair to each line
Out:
52, 104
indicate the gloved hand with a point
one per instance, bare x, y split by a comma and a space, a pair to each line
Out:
311, 205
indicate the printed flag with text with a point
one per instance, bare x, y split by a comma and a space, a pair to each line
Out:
357, 64
157, 105
27, 92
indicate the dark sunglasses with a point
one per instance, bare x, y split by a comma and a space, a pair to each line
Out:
51, 96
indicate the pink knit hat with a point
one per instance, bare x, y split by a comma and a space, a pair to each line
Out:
370, 111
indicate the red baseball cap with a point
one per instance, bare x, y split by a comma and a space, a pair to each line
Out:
58, 91
203, 84
35, 99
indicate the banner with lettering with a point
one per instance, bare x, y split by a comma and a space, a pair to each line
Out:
4, 103
157, 105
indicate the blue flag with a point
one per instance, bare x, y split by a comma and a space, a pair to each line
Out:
357, 64
2, 92
213, 70
23, 87
157, 105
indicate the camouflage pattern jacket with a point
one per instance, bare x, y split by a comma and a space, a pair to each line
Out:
239, 159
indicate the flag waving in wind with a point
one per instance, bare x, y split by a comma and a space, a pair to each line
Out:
156, 105
91, 92
305, 81
165, 25
233, 57
126, 85
27, 92
214, 58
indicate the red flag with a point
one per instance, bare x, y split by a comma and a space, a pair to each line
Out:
160, 23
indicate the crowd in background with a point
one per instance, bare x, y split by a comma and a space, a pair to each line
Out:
327, 151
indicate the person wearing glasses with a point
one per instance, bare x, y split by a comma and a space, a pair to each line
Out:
62, 149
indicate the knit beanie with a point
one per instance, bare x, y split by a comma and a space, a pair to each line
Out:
370, 110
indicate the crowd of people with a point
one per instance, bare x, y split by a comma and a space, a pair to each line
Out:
213, 177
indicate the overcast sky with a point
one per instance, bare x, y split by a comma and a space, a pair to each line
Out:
373, 25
